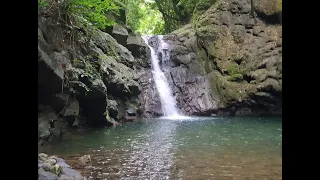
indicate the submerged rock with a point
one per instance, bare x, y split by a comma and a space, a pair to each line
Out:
71, 173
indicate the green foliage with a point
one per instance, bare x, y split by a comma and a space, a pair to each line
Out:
133, 14
143, 17
43, 3
233, 69
90, 68
180, 12
162, 16
279, 5
236, 72
151, 22
236, 77
94, 11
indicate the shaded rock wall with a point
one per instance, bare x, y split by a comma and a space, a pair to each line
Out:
86, 77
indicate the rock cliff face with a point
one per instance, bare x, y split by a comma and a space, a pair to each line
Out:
225, 63
86, 77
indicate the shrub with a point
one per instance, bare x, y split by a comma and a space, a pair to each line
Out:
92, 10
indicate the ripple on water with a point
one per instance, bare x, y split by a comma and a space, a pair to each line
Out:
200, 148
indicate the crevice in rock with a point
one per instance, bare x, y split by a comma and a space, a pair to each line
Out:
248, 78
272, 19
174, 83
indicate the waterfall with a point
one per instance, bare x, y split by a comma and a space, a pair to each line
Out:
168, 102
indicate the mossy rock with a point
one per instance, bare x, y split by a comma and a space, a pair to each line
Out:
230, 92
268, 7
232, 69
236, 77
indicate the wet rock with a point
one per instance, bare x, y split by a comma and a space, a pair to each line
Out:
46, 175
72, 108
56, 169
52, 162
76, 122
112, 108
84, 160
45, 118
58, 101
243, 112
63, 164
42, 156
139, 49
45, 166
186, 58
137, 46
149, 97
201, 85
44, 129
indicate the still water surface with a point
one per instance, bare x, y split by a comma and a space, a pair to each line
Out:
193, 149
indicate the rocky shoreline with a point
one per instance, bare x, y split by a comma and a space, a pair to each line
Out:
55, 168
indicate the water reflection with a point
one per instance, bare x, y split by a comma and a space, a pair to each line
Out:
191, 149
151, 157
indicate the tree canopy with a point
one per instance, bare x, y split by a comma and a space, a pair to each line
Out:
143, 16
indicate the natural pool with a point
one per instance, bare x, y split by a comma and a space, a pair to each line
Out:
193, 149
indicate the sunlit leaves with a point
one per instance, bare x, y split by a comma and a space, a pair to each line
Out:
92, 10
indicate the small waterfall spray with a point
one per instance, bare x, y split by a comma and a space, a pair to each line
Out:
168, 102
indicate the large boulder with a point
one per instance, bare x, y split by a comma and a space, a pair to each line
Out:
46, 175
139, 49
112, 108
50, 70
45, 117
149, 97
120, 33
72, 109
110, 47
119, 78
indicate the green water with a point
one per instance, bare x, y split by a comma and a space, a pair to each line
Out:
199, 148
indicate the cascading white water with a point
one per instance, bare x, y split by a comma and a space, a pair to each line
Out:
168, 103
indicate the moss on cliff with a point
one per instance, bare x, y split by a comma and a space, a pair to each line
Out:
230, 92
